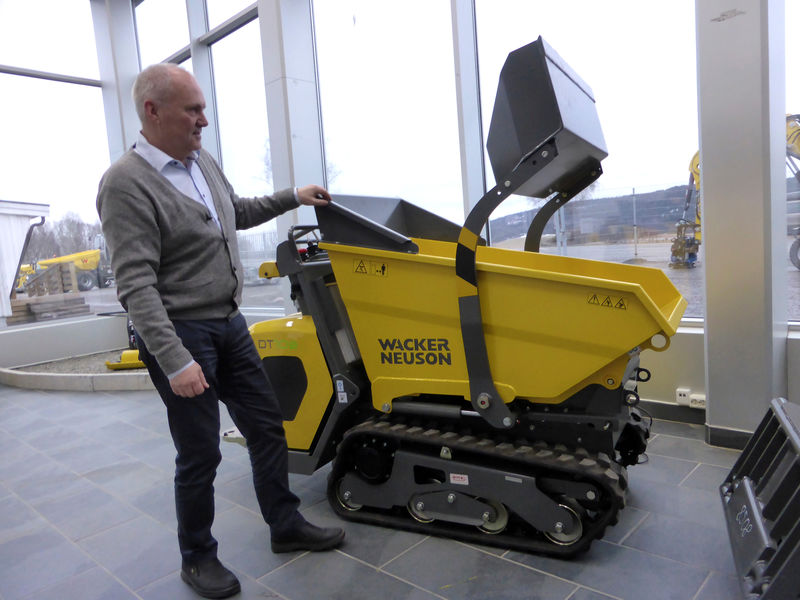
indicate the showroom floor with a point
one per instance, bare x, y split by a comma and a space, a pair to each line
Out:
86, 513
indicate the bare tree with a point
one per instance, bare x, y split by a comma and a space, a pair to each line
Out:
65, 236
332, 171
43, 244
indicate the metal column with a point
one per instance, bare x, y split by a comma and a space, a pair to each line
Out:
290, 76
740, 58
118, 59
468, 98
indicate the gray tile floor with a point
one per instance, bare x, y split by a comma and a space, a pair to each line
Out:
86, 513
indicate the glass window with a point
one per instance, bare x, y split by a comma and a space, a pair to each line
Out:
387, 91
644, 84
64, 178
793, 158
162, 29
220, 11
242, 111
244, 140
63, 42
187, 64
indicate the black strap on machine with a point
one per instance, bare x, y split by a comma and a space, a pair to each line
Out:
484, 396
590, 171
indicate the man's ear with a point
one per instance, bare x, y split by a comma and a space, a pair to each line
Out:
151, 110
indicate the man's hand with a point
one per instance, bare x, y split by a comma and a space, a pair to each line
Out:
190, 382
313, 195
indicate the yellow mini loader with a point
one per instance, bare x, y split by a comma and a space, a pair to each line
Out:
462, 390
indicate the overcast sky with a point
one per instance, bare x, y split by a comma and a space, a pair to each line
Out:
389, 114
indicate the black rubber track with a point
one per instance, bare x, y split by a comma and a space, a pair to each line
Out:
537, 459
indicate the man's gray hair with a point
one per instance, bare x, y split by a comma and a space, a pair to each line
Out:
153, 83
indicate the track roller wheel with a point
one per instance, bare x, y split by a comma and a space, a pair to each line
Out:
500, 520
343, 496
567, 539
416, 508
794, 253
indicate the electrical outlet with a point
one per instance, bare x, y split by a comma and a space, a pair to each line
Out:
682, 395
697, 401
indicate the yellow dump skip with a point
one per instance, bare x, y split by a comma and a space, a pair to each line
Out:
552, 324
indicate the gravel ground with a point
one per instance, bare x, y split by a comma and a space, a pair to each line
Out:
91, 364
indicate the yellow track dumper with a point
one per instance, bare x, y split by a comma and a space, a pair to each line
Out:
461, 390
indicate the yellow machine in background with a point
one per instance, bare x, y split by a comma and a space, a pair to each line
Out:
793, 142
461, 390
25, 271
129, 359
686, 243
86, 260
792, 156
92, 269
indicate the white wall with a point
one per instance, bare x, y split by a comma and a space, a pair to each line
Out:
681, 365
42, 342
15, 219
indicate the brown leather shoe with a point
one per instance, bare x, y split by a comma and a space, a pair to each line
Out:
210, 579
308, 537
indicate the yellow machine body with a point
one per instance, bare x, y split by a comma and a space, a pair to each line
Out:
268, 270
87, 260
296, 336
129, 359
552, 324
490, 394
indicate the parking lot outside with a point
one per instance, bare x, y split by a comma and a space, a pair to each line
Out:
268, 296
690, 282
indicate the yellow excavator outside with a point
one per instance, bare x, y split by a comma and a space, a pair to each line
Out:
686, 243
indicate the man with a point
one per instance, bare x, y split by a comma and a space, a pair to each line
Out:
169, 217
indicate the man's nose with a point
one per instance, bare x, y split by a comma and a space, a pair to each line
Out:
202, 121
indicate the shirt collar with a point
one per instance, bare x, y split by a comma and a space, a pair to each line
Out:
157, 158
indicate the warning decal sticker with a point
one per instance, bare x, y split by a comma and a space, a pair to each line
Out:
606, 301
370, 267
378, 268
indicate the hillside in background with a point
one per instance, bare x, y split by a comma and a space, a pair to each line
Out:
611, 219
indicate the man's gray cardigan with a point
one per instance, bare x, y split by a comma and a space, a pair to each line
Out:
170, 259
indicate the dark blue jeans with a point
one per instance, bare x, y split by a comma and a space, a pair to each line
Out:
232, 368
